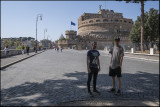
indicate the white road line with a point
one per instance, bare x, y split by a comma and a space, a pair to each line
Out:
128, 57
135, 58
142, 59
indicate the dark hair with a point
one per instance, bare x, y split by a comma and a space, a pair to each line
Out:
94, 42
117, 39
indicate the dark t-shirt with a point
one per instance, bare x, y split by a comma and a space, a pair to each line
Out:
93, 58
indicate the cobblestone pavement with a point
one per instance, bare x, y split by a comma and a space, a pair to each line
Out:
52, 78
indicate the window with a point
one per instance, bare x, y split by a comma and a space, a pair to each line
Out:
97, 20
125, 21
105, 20
120, 20
116, 20
82, 18
129, 22
91, 21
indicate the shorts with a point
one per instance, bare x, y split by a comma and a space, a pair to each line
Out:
114, 72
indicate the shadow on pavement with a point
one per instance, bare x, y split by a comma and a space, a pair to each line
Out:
142, 85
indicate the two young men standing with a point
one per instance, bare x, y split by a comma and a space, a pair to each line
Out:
93, 66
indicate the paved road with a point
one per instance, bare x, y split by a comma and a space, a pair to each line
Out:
54, 77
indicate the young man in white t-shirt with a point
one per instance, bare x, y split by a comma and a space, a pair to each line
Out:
116, 64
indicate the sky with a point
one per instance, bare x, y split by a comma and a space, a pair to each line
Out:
18, 18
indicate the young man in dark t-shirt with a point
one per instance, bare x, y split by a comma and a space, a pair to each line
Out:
93, 66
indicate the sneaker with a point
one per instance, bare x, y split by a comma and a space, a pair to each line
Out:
90, 93
118, 92
112, 90
96, 91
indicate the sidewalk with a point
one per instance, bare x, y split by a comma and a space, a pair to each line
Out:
110, 103
6, 62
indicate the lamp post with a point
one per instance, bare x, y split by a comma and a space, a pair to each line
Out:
47, 37
38, 16
45, 30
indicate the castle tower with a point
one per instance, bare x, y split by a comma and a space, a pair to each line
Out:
70, 34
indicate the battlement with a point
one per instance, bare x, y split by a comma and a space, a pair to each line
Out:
70, 32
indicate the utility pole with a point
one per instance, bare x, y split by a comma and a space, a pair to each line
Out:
39, 15
45, 30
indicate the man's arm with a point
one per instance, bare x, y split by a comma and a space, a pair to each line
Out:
88, 64
111, 60
99, 64
121, 59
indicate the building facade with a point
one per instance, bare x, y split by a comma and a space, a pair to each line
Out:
101, 27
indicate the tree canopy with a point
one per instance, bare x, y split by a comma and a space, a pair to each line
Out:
151, 27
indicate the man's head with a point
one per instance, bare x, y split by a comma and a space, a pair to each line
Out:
117, 40
94, 45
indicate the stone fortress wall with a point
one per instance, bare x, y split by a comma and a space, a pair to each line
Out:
105, 22
101, 27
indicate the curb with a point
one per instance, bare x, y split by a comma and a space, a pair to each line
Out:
84, 102
157, 55
7, 65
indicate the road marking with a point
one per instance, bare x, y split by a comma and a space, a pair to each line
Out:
128, 57
142, 59
135, 58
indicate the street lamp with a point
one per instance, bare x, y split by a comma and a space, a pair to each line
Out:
47, 37
45, 30
38, 16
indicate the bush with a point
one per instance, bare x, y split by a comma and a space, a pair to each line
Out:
19, 47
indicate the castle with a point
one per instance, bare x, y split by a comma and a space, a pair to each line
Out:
101, 27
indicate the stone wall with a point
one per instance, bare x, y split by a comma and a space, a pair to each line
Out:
13, 52
106, 29
105, 21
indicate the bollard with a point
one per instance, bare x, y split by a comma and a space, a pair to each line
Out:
152, 51
132, 50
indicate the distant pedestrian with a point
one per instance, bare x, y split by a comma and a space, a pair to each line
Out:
57, 49
27, 49
61, 49
34, 49
93, 67
116, 64
22, 49
6, 51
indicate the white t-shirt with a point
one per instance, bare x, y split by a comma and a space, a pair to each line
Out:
117, 53
6, 50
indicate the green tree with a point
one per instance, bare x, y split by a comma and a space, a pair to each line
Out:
142, 17
5, 42
17, 43
136, 32
11, 43
19, 47
151, 28
153, 24
56, 41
